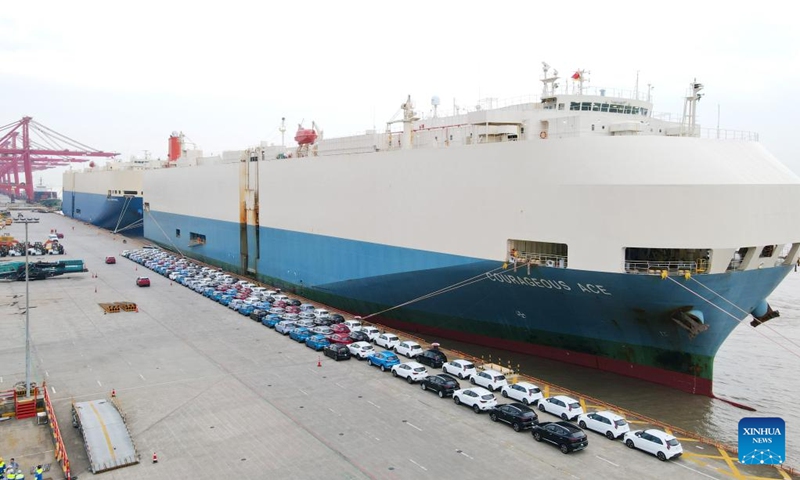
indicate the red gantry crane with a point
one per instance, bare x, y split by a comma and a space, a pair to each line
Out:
26, 146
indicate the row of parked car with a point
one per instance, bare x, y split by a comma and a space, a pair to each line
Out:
342, 339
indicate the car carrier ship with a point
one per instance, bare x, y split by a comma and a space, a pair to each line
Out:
577, 225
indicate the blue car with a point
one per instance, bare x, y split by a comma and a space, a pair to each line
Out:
385, 359
317, 342
300, 334
225, 300
246, 309
271, 320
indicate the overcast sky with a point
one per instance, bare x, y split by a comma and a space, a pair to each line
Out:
121, 77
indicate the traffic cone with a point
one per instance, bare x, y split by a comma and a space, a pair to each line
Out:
155, 457
113, 393
319, 362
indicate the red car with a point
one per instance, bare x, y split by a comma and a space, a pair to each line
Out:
143, 281
341, 328
111, 260
340, 338
292, 309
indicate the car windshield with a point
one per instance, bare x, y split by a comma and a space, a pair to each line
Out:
468, 366
419, 369
536, 390
620, 423
391, 358
575, 405
673, 442
488, 396
527, 414
499, 377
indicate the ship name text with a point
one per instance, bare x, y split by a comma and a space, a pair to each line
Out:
545, 283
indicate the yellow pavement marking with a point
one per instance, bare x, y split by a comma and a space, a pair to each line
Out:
583, 404
749, 477
785, 475
546, 391
636, 421
105, 432
669, 432
687, 439
690, 454
728, 460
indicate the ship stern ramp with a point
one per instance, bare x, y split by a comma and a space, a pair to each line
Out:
105, 435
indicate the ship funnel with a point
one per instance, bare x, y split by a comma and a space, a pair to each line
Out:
174, 147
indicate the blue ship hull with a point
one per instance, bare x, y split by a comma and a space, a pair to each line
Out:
612, 321
118, 213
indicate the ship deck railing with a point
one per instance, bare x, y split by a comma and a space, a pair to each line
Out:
671, 267
538, 259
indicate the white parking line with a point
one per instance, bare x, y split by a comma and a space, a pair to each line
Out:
54, 389
98, 382
142, 376
606, 460
376, 438
334, 412
413, 426
46, 373
340, 386
301, 391
376, 406
463, 453
695, 471
417, 464
1, 379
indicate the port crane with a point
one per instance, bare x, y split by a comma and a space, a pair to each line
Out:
27, 146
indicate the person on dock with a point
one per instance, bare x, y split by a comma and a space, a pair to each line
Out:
2, 467
38, 473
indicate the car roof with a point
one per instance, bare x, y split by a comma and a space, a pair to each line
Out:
526, 385
446, 377
660, 434
493, 372
478, 390
521, 406
568, 426
410, 342
414, 364
461, 360
564, 398
611, 415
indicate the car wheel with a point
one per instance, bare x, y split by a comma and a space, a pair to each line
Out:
563, 448
610, 435
422, 386
493, 417
541, 407
537, 436
370, 363
383, 368
505, 394
441, 394
661, 456
582, 424
525, 401
629, 443
564, 416
409, 380
394, 372
472, 381
516, 427
457, 400
476, 409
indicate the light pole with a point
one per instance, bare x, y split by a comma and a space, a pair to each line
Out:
26, 221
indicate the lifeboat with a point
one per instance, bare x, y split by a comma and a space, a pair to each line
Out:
305, 136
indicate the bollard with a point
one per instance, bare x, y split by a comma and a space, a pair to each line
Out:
155, 457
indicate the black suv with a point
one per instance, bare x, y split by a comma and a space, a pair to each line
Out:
519, 416
442, 384
567, 436
432, 358
337, 351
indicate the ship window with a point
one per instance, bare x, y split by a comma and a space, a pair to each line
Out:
561, 106
586, 106
767, 251
604, 107
593, 127
178, 233
644, 112
78, 210
628, 109
147, 206
574, 106
595, 107
130, 192
613, 108
196, 239
673, 260
635, 110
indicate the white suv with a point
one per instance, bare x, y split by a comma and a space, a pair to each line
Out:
408, 348
361, 350
524, 392
661, 444
387, 340
411, 371
372, 332
459, 368
478, 398
609, 424
491, 379
561, 406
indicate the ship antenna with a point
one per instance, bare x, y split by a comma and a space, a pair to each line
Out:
282, 129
